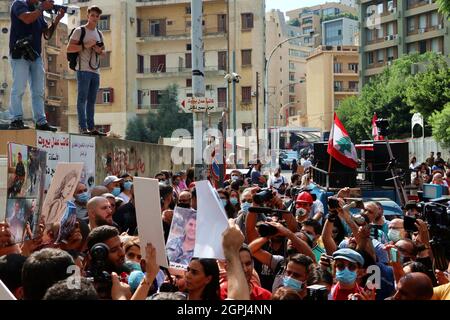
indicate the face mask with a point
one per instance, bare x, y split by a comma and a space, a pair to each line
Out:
224, 202
234, 178
127, 185
183, 205
116, 191
234, 201
346, 276
394, 235
292, 283
245, 206
82, 197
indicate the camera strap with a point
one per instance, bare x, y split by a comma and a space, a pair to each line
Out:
97, 59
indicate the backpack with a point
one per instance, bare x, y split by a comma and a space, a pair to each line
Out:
72, 57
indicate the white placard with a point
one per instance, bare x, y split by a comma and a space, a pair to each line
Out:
148, 216
82, 149
212, 221
62, 187
57, 147
5, 294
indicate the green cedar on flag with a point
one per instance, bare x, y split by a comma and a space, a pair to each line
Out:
340, 146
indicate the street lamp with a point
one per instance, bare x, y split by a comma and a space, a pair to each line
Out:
266, 84
234, 78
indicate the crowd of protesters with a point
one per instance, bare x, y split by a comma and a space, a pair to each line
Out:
292, 252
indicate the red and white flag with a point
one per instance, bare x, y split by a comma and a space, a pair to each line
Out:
340, 146
375, 135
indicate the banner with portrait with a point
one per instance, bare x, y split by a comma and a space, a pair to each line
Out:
25, 190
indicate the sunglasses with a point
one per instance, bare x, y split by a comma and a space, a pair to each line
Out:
249, 201
342, 265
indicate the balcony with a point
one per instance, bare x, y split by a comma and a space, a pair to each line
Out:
185, 34
170, 72
411, 4
346, 73
427, 33
144, 3
343, 90
381, 43
417, 7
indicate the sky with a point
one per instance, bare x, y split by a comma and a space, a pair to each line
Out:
286, 5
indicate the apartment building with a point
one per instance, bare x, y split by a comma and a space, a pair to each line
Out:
287, 71
340, 32
310, 19
331, 76
350, 3
149, 48
55, 64
393, 28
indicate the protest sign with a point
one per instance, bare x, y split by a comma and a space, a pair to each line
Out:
148, 216
5, 294
82, 149
212, 221
63, 185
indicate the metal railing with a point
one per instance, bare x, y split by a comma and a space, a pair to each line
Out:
342, 89
178, 33
172, 70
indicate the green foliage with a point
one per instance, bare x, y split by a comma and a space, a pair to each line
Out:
396, 94
169, 117
137, 131
340, 15
440, 122
444, 7
161, 124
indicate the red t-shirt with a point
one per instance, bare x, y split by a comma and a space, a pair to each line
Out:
339, 293
257, 292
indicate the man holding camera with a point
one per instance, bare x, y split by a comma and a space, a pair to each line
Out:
25, 43
87, 40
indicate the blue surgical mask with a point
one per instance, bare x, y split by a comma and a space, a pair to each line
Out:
292, 283
127, 185
234, 178
116, 191
82, 197
346, 276
245, 206
234, 201
224, 202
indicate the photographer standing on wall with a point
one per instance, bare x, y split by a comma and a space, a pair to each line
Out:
25, 43
87, 40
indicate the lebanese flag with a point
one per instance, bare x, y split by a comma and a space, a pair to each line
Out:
340, 146
375, 135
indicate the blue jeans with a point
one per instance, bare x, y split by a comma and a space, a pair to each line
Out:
88, 83
22, 72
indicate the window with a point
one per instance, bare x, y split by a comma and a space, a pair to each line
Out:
390, 29
353, 85
412, 48
157, 63
337, 68
188, 47
422, 47
103, 23
435, 47
246, 94
370, 58
380, 56
353, 67
292, 88
140, 98
140, 64
390, 53
390, 5
307, 40
105, 60
338, 86
188, 60
158, 28
369, 35
291, 99
422, 21
222, 22
188, 83
380, 8
155, 98
222, 97
246, 57
291, 65
411, 24
222, 60
188, 9
105, 96
307, 30
434, 19
380, 33
291, 76
247, 21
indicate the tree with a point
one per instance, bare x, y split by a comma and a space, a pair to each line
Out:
137, 131
440, 123
169, 117
444, 7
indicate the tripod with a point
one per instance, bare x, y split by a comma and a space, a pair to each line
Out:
399, 188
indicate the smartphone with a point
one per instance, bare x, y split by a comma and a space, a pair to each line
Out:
409, 223
393, 254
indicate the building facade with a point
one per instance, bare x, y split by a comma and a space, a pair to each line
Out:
331, 76
309, 20
287, 70
149, 48
393, 28
340, 32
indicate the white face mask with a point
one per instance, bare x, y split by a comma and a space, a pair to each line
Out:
394, 235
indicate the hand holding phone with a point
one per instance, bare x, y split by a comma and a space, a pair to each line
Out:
409, 223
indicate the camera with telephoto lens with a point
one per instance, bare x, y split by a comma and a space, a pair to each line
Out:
100, 44
317, 292
383, 126
101, 278
265, 195
267, 230
333, 203
23, 48
57, 7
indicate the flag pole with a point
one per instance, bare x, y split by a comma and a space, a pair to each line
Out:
329, 155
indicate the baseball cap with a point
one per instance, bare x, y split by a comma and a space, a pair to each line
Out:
349, 255
110, 179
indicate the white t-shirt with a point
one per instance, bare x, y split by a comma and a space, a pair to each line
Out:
87, 54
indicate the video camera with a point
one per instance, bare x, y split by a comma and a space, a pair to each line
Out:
101, 278
383, 126
265, 195
57, 7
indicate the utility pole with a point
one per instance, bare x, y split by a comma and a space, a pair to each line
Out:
198, 85
234, 110
257, 114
